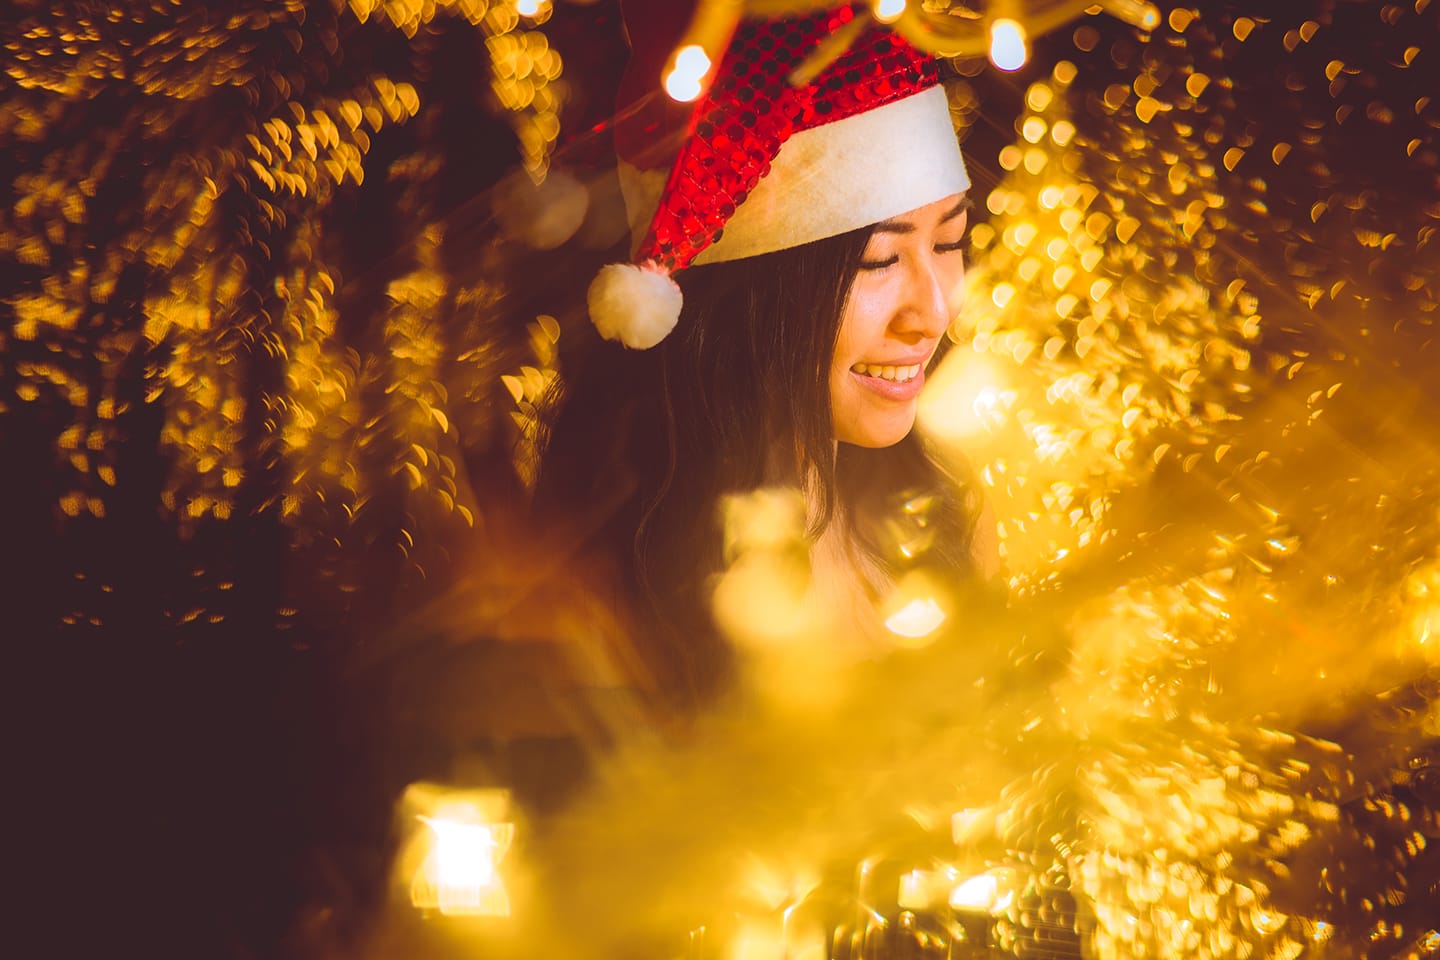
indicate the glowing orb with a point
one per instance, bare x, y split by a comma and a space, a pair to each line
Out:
683, 82
917, 619
451, 861
1007, 44
888, 11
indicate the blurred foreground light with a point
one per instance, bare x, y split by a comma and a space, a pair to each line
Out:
924, 889
966, 397
888, 11
1146, 16
452, 856
915, 609
917, 619
1422, 631
530, 8
542, 215
975, 895
972, 825
684, 81
1007, 44
990, 892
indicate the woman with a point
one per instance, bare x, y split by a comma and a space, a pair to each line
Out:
827, 224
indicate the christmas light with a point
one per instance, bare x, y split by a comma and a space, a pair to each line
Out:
888, 11
1008, 48
683, 82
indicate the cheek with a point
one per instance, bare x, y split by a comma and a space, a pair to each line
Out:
955, 287
861, 325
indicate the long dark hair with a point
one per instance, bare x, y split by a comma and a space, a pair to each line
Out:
737, 397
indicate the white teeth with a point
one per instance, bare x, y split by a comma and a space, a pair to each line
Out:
897, 374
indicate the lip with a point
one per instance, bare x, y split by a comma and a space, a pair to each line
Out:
890, 389
908, 361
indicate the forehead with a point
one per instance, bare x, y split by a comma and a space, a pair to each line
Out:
929, 216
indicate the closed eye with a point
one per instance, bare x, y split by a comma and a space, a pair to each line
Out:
879, 264
959, 246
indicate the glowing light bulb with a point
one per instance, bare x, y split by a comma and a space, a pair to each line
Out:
1008, 48
529, 8
683, 82
888, 11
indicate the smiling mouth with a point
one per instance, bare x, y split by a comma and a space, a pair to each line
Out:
894, 374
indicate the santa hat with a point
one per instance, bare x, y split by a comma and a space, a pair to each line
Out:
765, 164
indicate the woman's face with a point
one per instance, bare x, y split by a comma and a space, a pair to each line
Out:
909, 287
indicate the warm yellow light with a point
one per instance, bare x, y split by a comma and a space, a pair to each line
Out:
917, 619
924, 889
763, 597
976, 895
1008, 44
459, 876
966, 398
888, 11
972, 825
528, 8
683, 82
1137, 13
452, 858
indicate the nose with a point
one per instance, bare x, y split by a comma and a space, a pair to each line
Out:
934, 295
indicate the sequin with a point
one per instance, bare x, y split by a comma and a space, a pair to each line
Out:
741, 123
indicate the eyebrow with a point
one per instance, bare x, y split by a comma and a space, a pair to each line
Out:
900, 226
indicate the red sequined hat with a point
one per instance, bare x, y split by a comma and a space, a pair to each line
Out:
764, 165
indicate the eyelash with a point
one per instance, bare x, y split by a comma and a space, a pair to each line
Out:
961, 245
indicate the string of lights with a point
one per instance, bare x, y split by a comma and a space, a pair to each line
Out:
1002, 31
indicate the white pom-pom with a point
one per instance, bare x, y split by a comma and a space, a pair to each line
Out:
637, 305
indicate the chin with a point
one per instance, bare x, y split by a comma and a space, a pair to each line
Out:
877, 436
